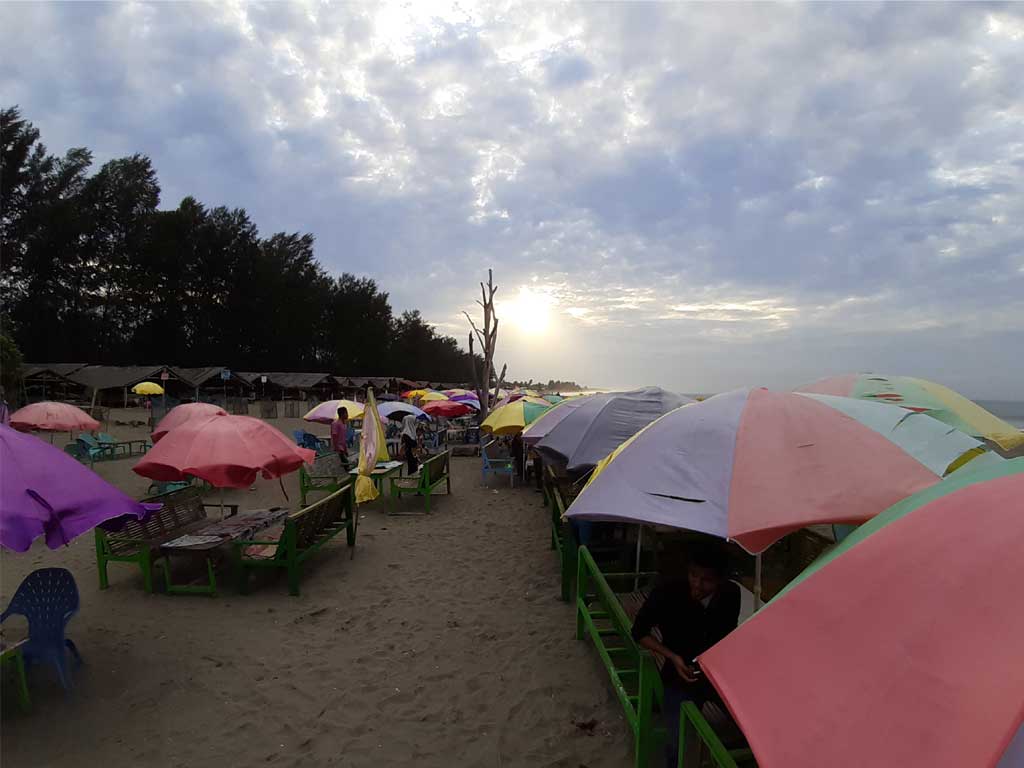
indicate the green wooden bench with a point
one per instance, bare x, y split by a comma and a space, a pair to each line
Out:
302, 534
139, 540
635, 676
433, 472
326, 475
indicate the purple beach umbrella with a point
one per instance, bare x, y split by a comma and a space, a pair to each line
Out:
45, 492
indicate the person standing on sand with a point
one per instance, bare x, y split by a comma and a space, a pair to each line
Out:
339, 435
692, 614
409, 443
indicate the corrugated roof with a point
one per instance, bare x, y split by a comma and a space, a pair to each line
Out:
196, 377
289, 380
116, 376
61, 369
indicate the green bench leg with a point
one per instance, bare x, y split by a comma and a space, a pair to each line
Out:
293, 578
146, 564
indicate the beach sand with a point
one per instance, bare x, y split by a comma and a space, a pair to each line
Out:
442, 643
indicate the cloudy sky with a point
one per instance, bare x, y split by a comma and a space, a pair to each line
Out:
696, 196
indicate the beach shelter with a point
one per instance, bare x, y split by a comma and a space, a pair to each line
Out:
902, 646
184, 413
327, 411
46, 493
372, 449
513, 417
49, 416
147, 388
753, 465
937, 401
601, 423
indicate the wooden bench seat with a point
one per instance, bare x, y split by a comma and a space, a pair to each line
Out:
287, 546
433, 472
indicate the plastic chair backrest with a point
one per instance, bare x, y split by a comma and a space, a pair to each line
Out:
87, 439
47, 598
103, 437
299, 435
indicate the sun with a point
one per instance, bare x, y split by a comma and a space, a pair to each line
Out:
530, 311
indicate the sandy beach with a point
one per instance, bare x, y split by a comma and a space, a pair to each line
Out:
442, 643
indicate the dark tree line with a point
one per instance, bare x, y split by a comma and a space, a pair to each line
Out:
92, 271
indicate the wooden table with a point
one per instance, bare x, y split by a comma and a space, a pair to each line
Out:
385, 470
12, 654
207, 541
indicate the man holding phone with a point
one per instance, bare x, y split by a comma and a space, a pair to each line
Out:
691, 615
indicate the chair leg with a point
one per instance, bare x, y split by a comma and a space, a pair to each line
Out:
101, 565
74, 650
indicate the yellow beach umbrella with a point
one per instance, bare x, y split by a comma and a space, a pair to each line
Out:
512, 418
430, 396
373, 448
147, 388
412, 394
327, 411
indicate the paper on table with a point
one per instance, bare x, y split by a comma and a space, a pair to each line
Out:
192, 541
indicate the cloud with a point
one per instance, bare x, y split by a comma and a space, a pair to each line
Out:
710, 195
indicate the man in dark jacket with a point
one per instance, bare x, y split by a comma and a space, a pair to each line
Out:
691, 615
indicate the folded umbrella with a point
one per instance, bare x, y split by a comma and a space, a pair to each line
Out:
372, 450
754, 465
184, 413
900, 647
53, 417
45, 492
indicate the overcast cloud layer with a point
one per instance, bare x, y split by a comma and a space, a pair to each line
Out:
698, 196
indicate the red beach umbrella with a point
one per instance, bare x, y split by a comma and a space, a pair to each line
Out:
226, 451
183, 413
450, 409
53, 417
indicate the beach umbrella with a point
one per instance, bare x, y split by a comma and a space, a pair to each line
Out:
902, 646
449, 409
468, 397
512, 418
553, 399
147, 388
53, 417
44, 492
398, 410
937, 401
373, 448
184, 413
225, 451
539, 428
515, 398
452, 393
432, 396
601, 423
754, 465
412, 394
327, 411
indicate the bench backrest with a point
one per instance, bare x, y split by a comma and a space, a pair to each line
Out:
309, 521
180, 508
327, 465
434, 468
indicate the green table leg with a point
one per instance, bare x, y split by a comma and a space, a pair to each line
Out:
210, 588
16, 659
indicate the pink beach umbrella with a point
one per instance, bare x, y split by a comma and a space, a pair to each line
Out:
902, 646
184, 413
53, 417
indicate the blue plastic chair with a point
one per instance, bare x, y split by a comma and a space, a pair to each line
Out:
48, 598
497, 466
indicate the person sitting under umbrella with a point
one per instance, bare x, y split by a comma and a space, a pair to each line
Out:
691, 614
339, 435
409, 437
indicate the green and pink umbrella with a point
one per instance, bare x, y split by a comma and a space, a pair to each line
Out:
902, 646
754, 465
937, 401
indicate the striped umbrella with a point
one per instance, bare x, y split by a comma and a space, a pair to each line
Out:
937, 401
902, 646
512, 418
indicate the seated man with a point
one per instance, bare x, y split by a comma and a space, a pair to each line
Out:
692, 614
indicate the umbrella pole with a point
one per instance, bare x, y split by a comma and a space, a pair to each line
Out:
757, 582
636, 573
221, 503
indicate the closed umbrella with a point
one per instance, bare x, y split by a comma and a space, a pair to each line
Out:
372, 449
900, 647
594, 429
754, 465
937, 401
327, 411
183, 413
44, 492
53, 417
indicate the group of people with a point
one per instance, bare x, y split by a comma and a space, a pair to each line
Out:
409, 438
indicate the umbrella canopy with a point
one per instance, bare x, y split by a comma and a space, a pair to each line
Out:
183, 413
398, 410
553, 399
432, 396
937, 401
516, 397
450, 409
373, 448
512, 418
539, 428
901, 646
468, 397
327, 411
53, 417
601, 423
47, 493
147, 388
226, 451
452, 393
754, 465
414, 393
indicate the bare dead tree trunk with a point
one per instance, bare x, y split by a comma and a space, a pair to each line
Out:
499, 383
488, 338
475, 380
